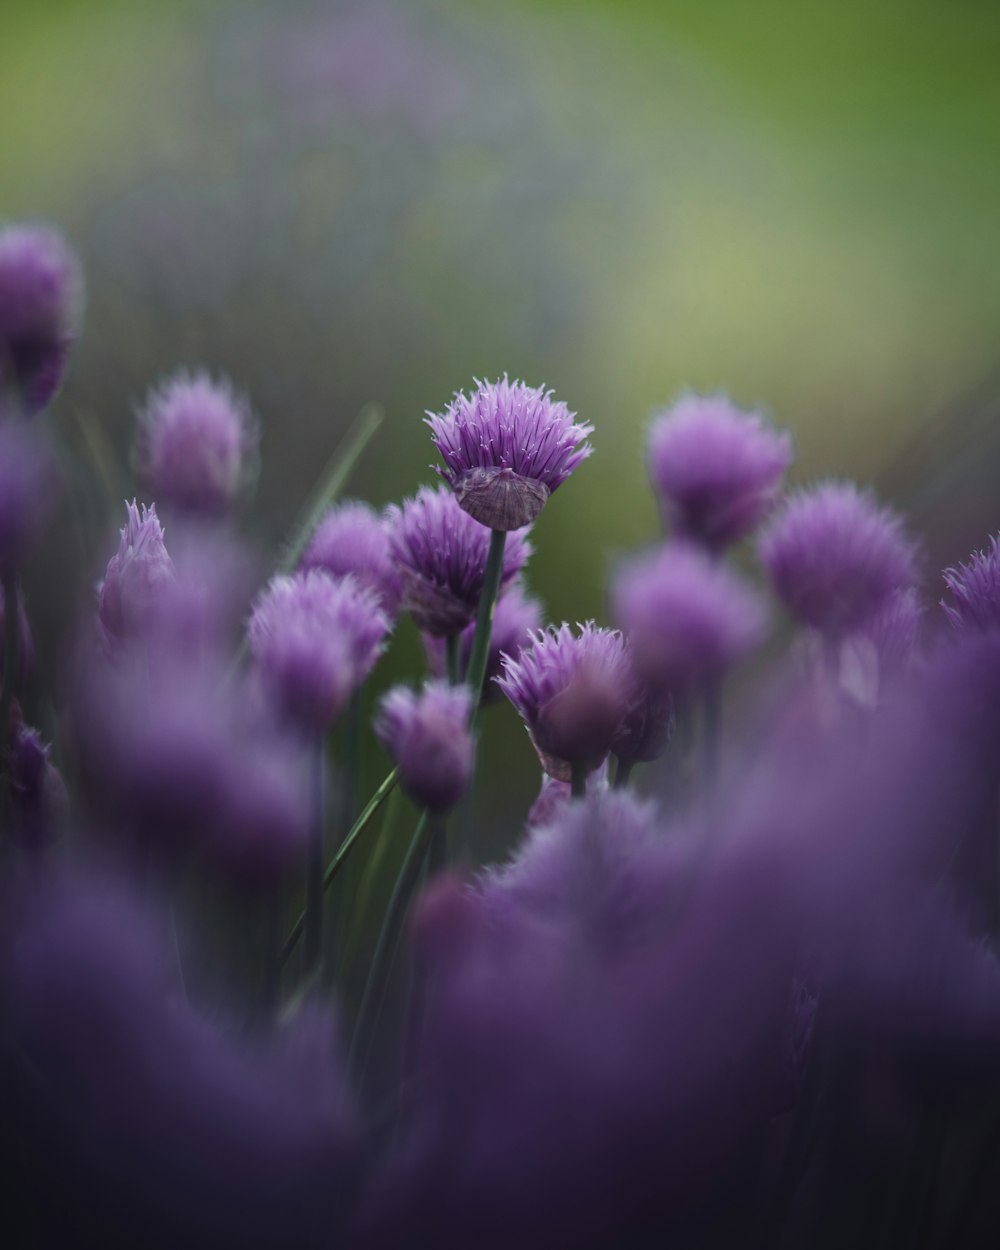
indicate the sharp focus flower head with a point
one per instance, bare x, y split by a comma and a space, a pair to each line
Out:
572, 691
515, 617
41, 297
129, 595
506, 448
687, 618
427, 734
835, 557
441, 553
975, 589
716, 469
353, 538
315, 639
195, 443
26, 488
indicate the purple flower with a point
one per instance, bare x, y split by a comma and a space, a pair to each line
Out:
41, 297
315, 639
687, 618
39, 802
835, 557
507, 448
183, 756
515, 617
132, 591
26, 489
975, 588
647, 728
427, 734
441, 552
353, 538
572, 691
146, 1120
717, 469
195, 443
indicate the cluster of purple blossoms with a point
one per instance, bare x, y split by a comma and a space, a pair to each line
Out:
315, 639
689, 1006
41, 297
717, 470
506, 448
195, 445
427, 734
441, 552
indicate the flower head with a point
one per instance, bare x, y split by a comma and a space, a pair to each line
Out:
717, 469
41, 296
136, 576
195, 443
427, 734
26, 488
353, 538
515, 617
441, 553
975, 589
315, 639
572, 691
687, 617
506, 448
835, 557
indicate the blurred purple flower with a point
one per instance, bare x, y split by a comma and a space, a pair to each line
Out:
975, 589
145, 1122
507, 448
573, 692
41, 299
353, 538
39, 801
27, 488
441, 552
647, 728
835, 557
688, 619
427, 734
315, 639
195, 444
132, 592
716, 468
515, 617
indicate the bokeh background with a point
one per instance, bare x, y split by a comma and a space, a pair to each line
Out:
350, 200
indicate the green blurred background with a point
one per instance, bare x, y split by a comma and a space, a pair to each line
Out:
342, 201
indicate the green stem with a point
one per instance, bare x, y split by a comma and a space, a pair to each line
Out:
622, 773
578, 780
476, 674
314, 865
11, 648
335, 864
381, 963
453, 659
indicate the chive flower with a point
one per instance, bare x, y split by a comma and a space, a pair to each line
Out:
41, 299
572, 691
351, 537
136, 575
506, 448
688, 618
195, 444
440, 552
716, 469
515, 618
315, 639
427, 735
835, 556
975, 589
